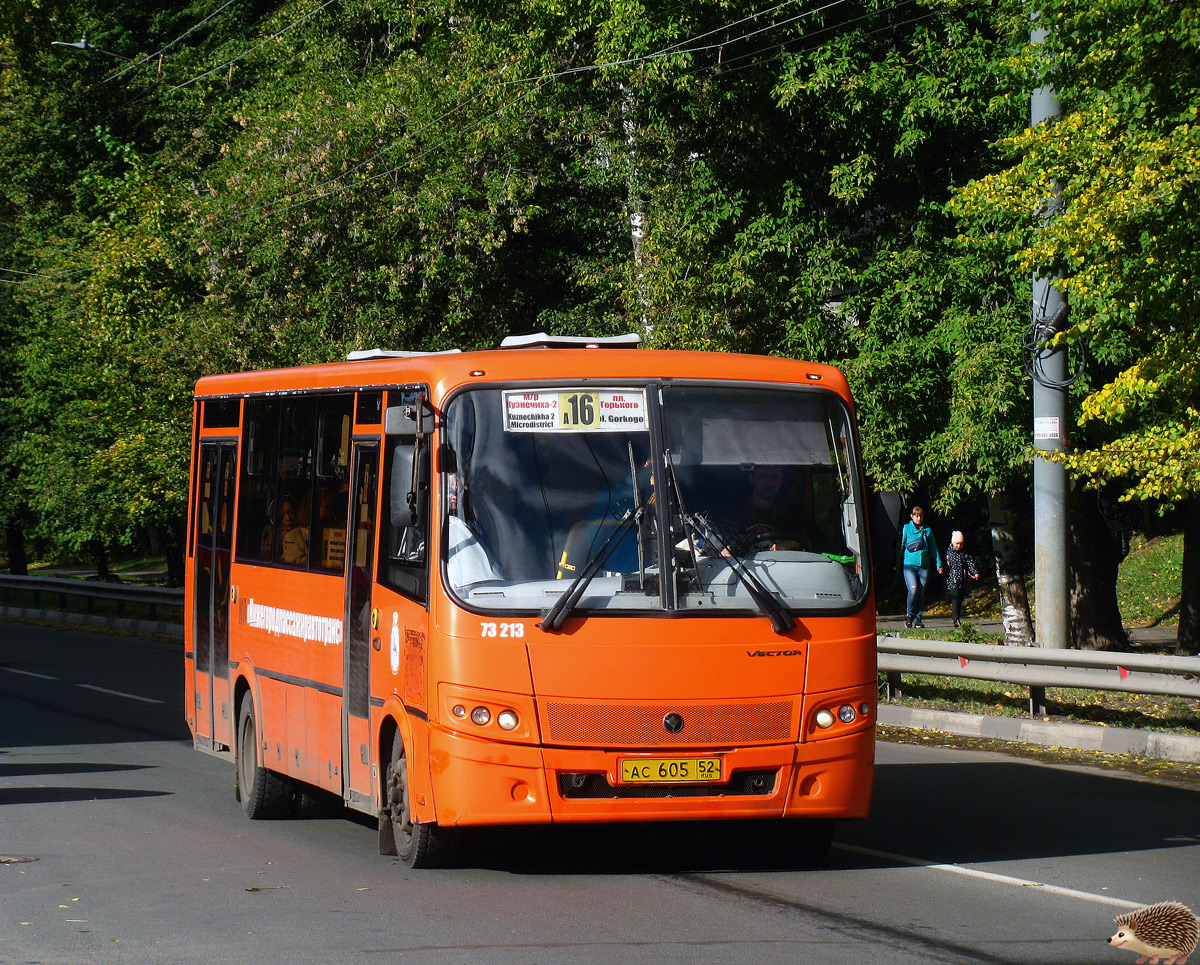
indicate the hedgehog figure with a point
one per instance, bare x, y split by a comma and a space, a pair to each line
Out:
1167, 930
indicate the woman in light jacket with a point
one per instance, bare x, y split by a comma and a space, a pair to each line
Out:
920, 555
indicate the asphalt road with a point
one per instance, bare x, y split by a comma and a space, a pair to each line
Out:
141, 855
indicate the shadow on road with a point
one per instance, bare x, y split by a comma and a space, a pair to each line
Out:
58, 795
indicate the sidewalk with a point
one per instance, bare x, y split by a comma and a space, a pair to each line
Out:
1145, 636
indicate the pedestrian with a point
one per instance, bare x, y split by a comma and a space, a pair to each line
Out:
960, 567
920, 556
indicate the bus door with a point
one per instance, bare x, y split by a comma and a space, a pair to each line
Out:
361, 624
214, 542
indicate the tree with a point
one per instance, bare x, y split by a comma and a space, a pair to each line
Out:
107, 374
1126, 158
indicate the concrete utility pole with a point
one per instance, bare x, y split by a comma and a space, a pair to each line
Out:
1052, 624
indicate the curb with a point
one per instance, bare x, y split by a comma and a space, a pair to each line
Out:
98, 620
1085, 737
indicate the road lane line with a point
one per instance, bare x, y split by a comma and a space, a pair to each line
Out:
29, 673
992, 876
119, 693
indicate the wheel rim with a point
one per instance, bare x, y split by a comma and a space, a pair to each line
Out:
247, 753
397, 797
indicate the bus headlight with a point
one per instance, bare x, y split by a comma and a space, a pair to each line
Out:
846, 714
824, 719
472, 711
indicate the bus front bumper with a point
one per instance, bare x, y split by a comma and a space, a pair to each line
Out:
484, 783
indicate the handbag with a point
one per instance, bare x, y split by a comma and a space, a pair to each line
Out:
917, 545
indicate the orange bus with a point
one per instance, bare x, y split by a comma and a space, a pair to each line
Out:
567, 580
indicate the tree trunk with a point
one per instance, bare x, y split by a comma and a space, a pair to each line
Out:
18, 564
1187, 638
101, 555
1010, 577
1095, 557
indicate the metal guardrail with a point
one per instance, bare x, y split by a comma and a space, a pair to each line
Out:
1038, 668
1033, 667
60, 588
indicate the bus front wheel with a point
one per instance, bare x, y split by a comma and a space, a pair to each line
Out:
417, 845
263, 793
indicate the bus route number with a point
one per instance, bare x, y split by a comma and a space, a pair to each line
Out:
487, 629
579, 410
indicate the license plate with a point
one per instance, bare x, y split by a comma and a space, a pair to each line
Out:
670, 770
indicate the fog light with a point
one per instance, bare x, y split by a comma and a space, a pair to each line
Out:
506, 720
824, 718
846, 714
458, 710
864, 708
480, 716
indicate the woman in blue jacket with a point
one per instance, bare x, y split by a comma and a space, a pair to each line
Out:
920, 555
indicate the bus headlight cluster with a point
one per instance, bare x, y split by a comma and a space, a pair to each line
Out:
846, 713
481, 716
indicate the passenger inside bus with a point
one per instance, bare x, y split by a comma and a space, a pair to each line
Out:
332, 513
468, 560
293, 536
767, 515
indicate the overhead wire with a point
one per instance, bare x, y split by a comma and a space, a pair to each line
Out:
162, 50
729, 69
680, 47
228, 64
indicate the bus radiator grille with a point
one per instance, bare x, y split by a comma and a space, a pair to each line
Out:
641, 725
741, 784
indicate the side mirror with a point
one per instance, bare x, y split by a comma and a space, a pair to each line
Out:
886, 515
415, 419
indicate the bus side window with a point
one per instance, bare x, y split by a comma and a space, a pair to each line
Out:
256, 491
332, 484
403, 560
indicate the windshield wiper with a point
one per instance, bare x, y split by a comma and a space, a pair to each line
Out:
779, 615
557, 614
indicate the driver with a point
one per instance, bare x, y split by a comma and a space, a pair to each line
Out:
764, 518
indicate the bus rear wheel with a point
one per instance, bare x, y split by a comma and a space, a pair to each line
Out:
417, 845
263, 793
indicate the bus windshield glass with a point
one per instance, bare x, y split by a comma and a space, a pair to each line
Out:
695, 497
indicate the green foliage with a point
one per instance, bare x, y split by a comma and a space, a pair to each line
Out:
105, 373
1125, 157
277, 182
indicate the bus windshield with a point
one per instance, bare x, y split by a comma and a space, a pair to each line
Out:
696, 497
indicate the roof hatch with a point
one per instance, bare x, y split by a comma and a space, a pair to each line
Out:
542, 340
370, 354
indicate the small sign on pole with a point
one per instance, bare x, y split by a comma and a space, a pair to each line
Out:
1046, 428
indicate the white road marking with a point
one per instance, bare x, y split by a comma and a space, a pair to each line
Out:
992, 876
119, 693
29, 673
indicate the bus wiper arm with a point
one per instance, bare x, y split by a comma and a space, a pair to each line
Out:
779, 615
557, 614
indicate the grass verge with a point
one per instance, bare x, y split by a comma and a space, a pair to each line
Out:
1179, 715
1152, 768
